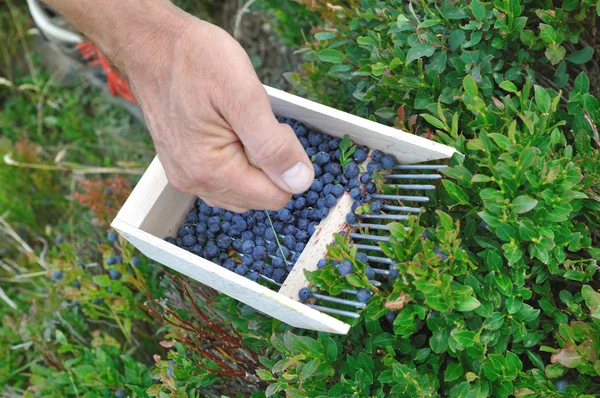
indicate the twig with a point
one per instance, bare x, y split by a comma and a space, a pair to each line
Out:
73, 168
73, 331
238, 18
594, 128
5, 297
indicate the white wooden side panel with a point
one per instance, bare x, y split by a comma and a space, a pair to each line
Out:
236, 286
316, 248
408, 148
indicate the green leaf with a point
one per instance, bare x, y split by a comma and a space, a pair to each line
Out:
582, 56
309, 368
331, 56
494, 322
555, 54
456, 38
386, 113
506, 232
480, 178
466, 338
322, 36
509, 86
435, 122
455, 192
567, 357
547, 33
581, 85
467, 305
265, 374
523, 203
419, 50
478, 10
453, 371
542, 99
439, 341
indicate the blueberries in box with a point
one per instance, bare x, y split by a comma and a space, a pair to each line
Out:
225, 226
327, 189
318, 170
254, 276
222, 257
364, 295
227, 216
388, 161
181, 232
322, 158
351, 170
247, 235
304, 142
360, 155
302, 235
337, 190
300, 203
192, 217
189, 240
353, 183
289, 240
289, 268
283, 252
241, 270
171, 240
355, 192
350, 218
327, 178
259, 241
370, 187
259, 253
289, 229
356, 204
215, 228
323, 147
295, 257
345, 267
304, 294
248, 247
197, 249
278, 226
277, 262
179, 242
268, 271
279, 275
335, 169
201, 228
365, 178
272, 247
211, 251
373, 166
315, 138
312, 197
206, 209
224, 241
324, 212
299, 247
300, 129
330, 200
317, 186
237, 245
312, 227
376, 155
269, 234
338, 153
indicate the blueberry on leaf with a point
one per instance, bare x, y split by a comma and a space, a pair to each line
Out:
345, 267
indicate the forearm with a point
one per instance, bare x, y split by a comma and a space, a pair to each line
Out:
127, 31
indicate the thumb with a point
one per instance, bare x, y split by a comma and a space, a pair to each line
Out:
271, 146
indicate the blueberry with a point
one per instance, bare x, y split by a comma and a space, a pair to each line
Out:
272, 247
303, 235
327, 178
442, 255
98, 301
351, 170
311, 151
111, 236
74, 303
289, 240
284, 214
356, 204
300, 129
230, 264
426, 234
240, 226
337, 190
362, 257
394, 272
192, 217
561, 385
330, 200
338, 153
353, 183
222, 258
376, 155
171, 240
312, 227
248, 247
201, 228
350, 218
317, 186
300, 203
289, 229
390, 316
60, 239
259, 253
366, 178
224, 241
254, 276
363, 295
268, 271
335, 169
227, 216
360, 155
312, 197
248, 260
321, 264
318, 170
323, 147
206, 209
241, 270
304, 294
315, 138
189, 240
345, 267
327, 189
120, 393
111, 260
260, 241
247, 235
388, 161
279, 275
369, 273
334, 143
289, 205
57, 275
215, 228
269, 234
179, 242
299, 247
258, 266
370, 187
322, 158
114, 274
283, 252
211, 251
304, 142
323, 212
170, 371
365, 198
225, 226
289, 268
355, 192
373, 166
77, 285
376, 206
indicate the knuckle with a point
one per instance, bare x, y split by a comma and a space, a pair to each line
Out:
273, 150
279, 201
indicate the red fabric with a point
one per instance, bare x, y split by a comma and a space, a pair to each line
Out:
116, 84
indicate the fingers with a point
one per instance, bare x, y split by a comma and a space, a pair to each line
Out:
271, 146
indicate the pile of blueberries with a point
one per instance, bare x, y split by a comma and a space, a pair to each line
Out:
268, 243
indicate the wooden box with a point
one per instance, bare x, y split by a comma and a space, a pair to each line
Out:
156, 210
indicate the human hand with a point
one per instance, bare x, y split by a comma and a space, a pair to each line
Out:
211, 121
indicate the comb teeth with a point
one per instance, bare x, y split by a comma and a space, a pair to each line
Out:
371, 229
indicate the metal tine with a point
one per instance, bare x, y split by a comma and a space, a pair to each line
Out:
401, 197
399, 217
375, 238
381, 271
402, 208
334, 311
374, 283
415, 187
419, 167
412, 176
381, 260
368, 247
336, 300
270, 280
380, 227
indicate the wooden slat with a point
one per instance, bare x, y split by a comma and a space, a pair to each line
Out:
236, 286
408, 148
316, 248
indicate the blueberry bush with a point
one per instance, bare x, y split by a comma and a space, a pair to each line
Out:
492, 291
